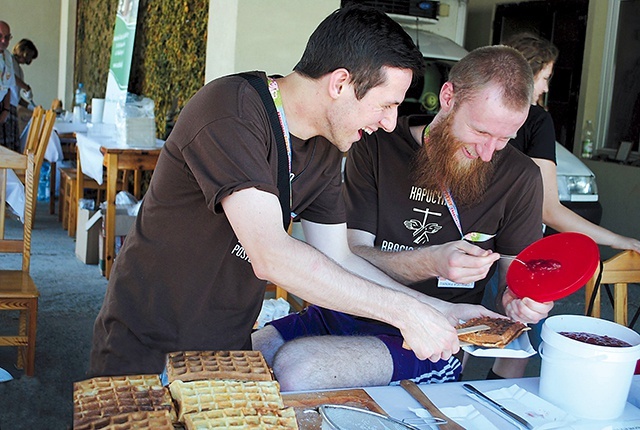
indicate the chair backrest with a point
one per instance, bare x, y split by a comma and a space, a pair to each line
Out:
35, 129
41, 146
56, 105
13, 160
620, 270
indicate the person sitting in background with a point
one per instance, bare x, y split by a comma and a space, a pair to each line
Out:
411, 197
537, 139
24, 52
9, 133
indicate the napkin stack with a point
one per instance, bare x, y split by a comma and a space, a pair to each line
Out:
138, 132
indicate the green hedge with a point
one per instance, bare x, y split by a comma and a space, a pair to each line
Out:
169, 54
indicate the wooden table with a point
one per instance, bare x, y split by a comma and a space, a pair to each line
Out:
115, 157
395, 401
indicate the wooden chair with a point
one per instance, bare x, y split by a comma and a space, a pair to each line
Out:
37, 140
620, 270
18, 292
68, 144
69, 199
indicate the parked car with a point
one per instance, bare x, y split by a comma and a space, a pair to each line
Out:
577, 187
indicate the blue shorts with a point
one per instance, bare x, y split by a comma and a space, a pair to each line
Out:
317, 321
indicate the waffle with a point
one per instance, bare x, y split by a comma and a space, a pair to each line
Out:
108, 396
247, 418
197, 365
197, 396
153, 420
501, 332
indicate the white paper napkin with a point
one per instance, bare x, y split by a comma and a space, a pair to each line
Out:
540, 413
467, 416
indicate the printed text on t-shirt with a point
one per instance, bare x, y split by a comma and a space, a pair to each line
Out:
238, 251
424, 195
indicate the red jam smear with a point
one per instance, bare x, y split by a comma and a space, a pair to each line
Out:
543, 266
596, 339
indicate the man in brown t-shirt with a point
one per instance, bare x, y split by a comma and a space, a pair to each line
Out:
192, 272
391, 209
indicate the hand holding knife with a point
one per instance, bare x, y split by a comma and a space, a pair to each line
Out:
506, 412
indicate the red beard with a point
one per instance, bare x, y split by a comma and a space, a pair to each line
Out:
437, 166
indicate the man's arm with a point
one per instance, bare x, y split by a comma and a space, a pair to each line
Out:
331, 241
457, 261
256, 219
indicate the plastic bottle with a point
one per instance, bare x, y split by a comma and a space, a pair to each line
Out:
587, 140
81, 101
43, 183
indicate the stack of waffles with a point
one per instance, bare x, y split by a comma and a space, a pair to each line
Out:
122, 402
226, 389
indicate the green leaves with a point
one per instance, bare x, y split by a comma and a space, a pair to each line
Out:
168, 58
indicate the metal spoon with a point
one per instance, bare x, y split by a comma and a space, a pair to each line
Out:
508, 257
431, 421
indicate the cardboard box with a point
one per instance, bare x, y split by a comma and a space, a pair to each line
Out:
87, 237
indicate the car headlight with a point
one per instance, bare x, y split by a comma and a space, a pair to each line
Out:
572, 187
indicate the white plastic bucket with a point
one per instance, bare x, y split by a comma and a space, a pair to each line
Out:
588, 381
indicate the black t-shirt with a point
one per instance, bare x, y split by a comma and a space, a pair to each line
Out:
537, 136
381, 199
182, 280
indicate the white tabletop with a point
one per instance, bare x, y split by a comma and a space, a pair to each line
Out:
15, 194
70, 127
395, 401
92, 158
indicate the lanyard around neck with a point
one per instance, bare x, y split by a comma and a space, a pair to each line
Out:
277, 101
446, 194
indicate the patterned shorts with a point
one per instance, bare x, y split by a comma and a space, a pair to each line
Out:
317, 321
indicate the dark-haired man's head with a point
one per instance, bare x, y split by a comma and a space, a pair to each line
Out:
363, 41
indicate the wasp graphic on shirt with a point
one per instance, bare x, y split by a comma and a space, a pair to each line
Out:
422, 228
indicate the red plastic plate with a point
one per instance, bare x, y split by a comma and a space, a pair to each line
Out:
578, 256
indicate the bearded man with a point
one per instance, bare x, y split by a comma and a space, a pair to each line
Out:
412, 196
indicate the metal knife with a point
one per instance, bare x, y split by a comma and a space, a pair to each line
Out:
426, 403
512, 415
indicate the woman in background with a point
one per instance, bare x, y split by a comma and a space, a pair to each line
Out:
536, 138
24, 52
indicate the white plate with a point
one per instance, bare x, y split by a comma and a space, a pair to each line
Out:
517, 348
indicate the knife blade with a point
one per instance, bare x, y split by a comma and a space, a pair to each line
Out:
426, 403
512, 415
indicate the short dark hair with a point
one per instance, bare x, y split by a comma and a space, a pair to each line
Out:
537, 51
25, 46
493, 65
362, 40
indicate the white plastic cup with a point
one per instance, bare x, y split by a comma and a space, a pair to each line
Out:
97, 110
77, 115
588, 381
